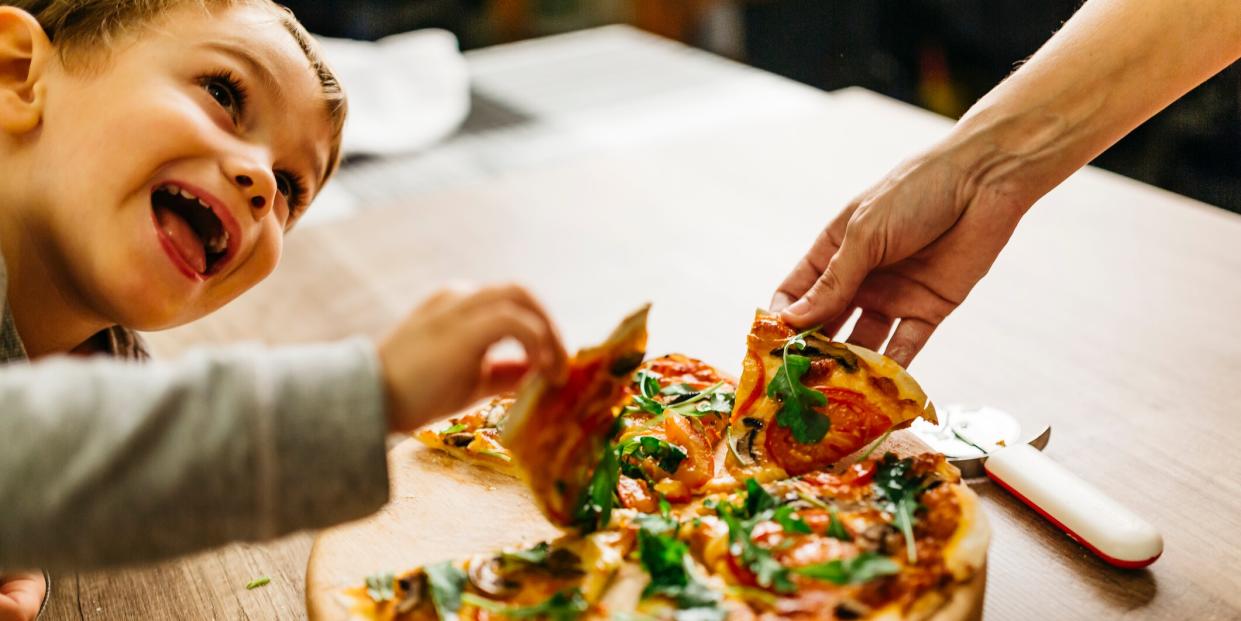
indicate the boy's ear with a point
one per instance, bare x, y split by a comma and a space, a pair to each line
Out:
24, 53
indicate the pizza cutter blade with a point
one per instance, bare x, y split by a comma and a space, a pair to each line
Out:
985, 441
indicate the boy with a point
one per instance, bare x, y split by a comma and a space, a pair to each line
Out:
148, 173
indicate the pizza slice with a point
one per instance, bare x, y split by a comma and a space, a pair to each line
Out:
559, 433
805, 402
564, 580
474, 436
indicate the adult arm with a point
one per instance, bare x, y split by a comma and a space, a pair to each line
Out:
908, 250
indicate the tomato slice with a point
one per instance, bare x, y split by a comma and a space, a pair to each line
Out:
855, 422
699, 464
635, 494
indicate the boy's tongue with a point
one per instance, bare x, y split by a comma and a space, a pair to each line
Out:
183, 238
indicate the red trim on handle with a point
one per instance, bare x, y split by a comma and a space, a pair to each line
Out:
1111, 560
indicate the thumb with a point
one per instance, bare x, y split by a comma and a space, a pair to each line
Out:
833, 292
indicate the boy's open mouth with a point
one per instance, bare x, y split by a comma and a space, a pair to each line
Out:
192, 226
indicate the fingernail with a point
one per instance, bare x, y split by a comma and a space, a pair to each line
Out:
779, 302
799, 308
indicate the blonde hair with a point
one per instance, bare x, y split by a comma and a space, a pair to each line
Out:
75, 26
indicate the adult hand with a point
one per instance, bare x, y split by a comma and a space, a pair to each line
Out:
906, 252
21, 596
436, 362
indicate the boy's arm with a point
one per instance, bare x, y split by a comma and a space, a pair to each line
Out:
108, 462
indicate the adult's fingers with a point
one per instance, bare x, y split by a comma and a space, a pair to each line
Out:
871, 330
833, 291
911, 334
812, 264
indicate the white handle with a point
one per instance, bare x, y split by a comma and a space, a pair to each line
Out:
1083, 511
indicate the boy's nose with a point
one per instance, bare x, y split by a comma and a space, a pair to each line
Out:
255, 201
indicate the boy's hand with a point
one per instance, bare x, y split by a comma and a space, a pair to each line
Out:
436, 361
21, 596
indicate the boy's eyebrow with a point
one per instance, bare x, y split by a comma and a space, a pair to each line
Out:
250, 61
269, 80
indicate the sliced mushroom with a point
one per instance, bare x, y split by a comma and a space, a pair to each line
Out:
487, 576
412, 588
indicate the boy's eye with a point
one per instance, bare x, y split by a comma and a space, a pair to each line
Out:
227, 92
291, 187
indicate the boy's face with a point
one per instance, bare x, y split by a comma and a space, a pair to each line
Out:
222, 108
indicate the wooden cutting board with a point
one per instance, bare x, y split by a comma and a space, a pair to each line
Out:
443, 508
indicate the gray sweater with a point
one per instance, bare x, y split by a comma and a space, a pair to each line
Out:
106, 461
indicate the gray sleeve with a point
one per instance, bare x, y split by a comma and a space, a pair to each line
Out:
105, 462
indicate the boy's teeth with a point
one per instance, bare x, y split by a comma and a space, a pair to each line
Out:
219, 243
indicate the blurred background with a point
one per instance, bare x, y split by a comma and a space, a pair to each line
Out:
938, 54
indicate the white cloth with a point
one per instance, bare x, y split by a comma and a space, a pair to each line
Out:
406, 92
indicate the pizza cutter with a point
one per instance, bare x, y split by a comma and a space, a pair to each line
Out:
985, 441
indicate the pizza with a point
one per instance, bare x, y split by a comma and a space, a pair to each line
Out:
474, 436
886, 538
686, 494
557, 431
805, 402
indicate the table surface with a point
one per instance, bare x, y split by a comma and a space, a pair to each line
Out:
1112, 312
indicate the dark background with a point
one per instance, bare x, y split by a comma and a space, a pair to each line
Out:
939, 54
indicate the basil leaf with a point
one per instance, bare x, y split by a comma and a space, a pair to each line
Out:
380, 587
862, 568
446, 582
797, 402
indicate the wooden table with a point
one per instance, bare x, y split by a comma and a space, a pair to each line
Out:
1113, 312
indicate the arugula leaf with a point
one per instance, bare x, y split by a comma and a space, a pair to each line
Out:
757, 499
797, 402
758, 506
380, 587
595, 507
679, 390
258, 582
668, 456
790, 521
899, 487
536, 555
457, 428
666, 559
836, 529
862, 568
446, 582
648, 384
565, 605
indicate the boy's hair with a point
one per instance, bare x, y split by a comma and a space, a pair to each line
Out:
75, 26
